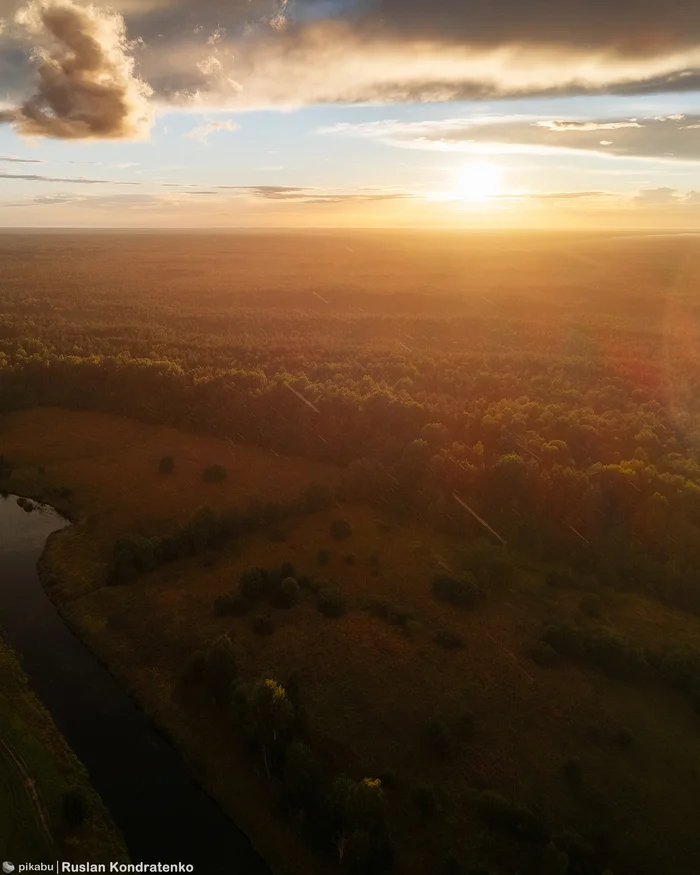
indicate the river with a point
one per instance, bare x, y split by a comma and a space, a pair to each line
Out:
163, 814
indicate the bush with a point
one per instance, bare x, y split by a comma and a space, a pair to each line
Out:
263, 625
449, 640
340, 529
323, 557
349, 558
120, 570
287, 570
74, 808
214, 474
231, 604
289, 592
331, 603
166, 465
254, 583
462, 591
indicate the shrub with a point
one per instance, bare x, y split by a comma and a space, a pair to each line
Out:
120, 570
449, 640
349, 558
214, 474
323, 557
254, 583
166, 465
289, 592
231, 604
215, 668
263, 625
287, 570
331, 603
141, 551
462, 591
340, 529
544, 654
74, 808
425, 800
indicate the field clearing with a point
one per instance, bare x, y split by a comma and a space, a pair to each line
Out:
371, 688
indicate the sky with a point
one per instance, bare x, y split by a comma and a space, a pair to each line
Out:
350, 113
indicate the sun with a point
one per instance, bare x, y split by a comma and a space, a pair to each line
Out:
478, 182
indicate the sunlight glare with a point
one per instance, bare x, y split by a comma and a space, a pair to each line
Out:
478, 182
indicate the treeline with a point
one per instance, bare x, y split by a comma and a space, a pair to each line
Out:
577, 444
206, 530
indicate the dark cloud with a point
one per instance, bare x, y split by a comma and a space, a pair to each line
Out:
267, 53
84, 84
673, 137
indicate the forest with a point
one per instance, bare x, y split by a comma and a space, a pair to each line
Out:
532, 398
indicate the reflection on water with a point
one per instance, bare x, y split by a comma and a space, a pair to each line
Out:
20, 530
163, 814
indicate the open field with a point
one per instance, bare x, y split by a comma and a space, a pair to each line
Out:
451, 388
31, 748
371, 687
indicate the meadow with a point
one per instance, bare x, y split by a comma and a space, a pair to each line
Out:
545, 383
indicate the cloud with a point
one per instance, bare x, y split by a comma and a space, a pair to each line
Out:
84, 85
12, 159
670, 138
556, 195
306, 195
204, 131
80, 180
245, 54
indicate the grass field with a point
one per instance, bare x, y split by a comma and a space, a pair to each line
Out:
30, 745
371, 687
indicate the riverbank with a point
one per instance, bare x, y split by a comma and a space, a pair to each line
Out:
40, 779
